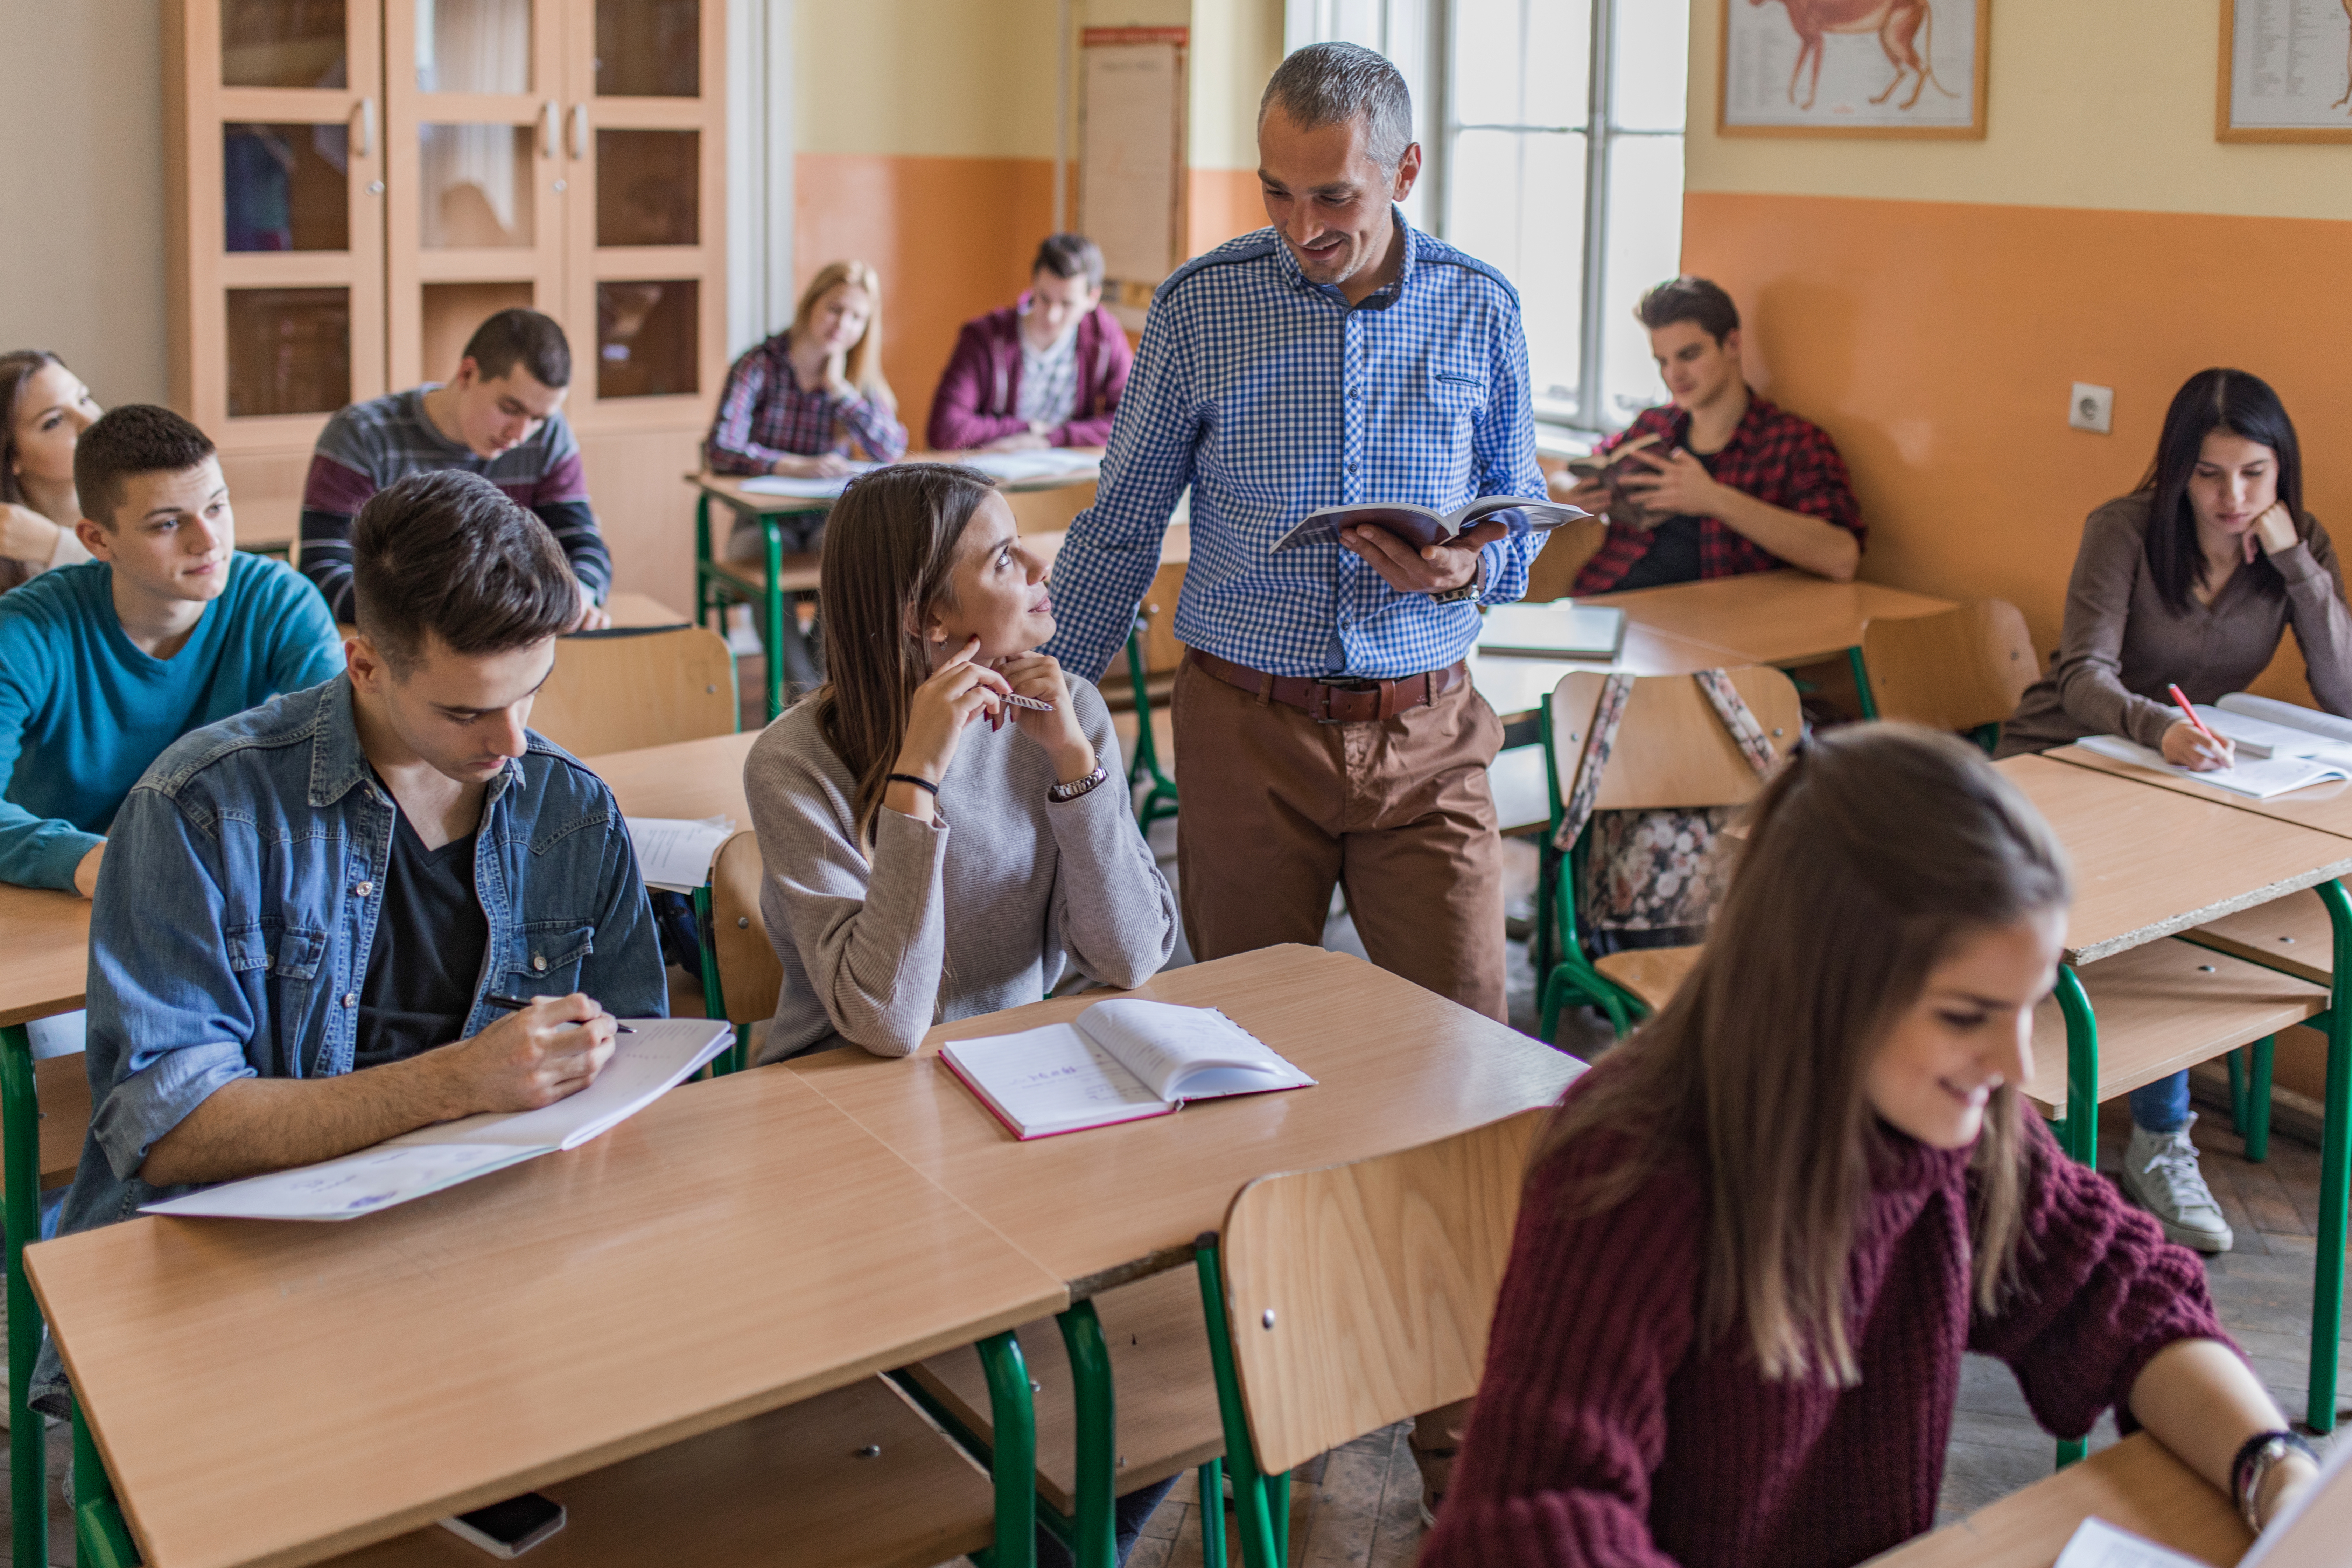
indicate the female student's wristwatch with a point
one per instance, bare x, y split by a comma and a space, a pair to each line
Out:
1470, 590
1060, 793
2252, 1467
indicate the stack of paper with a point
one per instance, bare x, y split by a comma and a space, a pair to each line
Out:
674, 853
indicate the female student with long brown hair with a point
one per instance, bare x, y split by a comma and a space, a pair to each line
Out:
44, 409
2193, 579
1758, 1234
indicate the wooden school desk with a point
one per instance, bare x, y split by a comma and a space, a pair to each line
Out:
2136, 1485
690, 779
44, 963
1396, 1066
2151, 863
642, 610
279, 1393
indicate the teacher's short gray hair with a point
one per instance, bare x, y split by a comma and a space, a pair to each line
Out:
1330, 84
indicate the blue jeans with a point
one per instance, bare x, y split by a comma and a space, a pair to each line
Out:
2161, 1106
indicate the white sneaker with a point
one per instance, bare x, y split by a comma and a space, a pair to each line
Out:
743, 642
2160, 1174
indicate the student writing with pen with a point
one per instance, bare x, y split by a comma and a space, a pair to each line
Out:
2190, 583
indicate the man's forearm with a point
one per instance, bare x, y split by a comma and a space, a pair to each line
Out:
256, 1124
1821, 548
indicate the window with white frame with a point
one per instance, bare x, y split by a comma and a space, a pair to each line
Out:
1552, 135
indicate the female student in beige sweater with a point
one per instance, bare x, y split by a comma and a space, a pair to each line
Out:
2192, 579
924, 864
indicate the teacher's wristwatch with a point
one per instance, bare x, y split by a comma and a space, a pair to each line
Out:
1470, 590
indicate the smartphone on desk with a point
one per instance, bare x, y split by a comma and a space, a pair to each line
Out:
508, 1528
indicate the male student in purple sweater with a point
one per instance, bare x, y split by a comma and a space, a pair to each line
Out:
1046, 371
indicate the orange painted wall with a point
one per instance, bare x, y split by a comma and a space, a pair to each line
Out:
1221, 204
1935, 341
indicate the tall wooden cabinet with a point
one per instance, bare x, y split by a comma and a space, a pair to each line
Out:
355, 184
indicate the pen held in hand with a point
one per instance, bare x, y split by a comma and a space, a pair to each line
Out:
517, 1003
1035, 705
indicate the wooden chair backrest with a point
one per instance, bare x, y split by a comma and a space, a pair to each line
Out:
1360, 1294
750, 975
620, 690
1955, 669
1672, 750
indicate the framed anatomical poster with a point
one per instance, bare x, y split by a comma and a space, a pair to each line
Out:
2286, 72
1854, 68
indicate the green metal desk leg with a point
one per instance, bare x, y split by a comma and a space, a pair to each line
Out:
703, 597
1256, 1523
1213, 1514
2079, 1132
2256, 1126
1861, 696
1012, 1459
20, 1107
100, 1538
2335, 1173
1098, 1412
774, 540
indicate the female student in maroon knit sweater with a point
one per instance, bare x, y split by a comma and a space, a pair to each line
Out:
1719, 1345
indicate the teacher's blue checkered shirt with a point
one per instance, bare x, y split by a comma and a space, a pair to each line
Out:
1272, 399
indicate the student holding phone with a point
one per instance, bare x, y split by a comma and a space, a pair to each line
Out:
2191, 580
1717, 1344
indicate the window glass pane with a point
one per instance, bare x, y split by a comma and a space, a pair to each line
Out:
649, 49
1517, 199
282, 43
473, 46
1652, 50
474, 185
285, 187
647, 187
1645, 247
289, 350
1487, 56
646, 338
1558, 59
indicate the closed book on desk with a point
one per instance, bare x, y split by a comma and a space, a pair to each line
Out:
1421, 527
1120, 1060
646, 1064
1563, 630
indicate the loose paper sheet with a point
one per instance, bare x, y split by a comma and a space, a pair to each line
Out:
674, 853
353, 1185
2099, 1544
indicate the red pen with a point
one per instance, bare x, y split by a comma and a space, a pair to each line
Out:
2188, 711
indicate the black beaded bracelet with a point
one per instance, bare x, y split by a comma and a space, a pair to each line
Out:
2254, 1461
919, 783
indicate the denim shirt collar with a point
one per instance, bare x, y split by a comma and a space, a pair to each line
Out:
338, 763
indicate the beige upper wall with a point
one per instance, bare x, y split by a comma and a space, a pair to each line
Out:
2091, 103
1237, 43
81, 271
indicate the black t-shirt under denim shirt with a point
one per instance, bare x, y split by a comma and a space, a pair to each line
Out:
1673, 555
430, 938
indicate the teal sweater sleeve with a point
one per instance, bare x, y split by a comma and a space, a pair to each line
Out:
35, 851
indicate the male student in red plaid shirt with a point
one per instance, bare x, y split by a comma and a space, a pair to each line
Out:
1740, 485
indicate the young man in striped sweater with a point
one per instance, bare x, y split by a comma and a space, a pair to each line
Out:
501, 417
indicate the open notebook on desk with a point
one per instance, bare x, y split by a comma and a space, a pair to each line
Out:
1120, 1060
644, 1066
2260, 779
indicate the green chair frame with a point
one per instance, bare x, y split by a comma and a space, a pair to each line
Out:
1563, 971
716, 587
20, 1114
1261, 1502
1143, 770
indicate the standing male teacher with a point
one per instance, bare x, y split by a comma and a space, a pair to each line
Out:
1326, 727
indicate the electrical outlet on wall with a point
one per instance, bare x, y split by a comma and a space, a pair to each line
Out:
2092, 407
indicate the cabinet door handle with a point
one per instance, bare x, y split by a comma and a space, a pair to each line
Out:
580, 130
547, 115
364, 112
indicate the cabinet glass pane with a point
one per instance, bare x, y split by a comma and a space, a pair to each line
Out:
648, 48
289, 350
475, 184
648, 187
282, 43
646, 338
473, 46
285, 187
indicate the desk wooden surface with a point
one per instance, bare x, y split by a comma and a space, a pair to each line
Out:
2151, 862
642, 610
1770, 618
1086, 462
692, 779
44, 953
1517, 688
2326, 809
2136, 1485
1396, 1065
274, 1393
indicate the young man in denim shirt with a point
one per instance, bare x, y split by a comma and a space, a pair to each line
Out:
305, 907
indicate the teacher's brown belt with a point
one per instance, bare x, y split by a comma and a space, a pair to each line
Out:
1341, 702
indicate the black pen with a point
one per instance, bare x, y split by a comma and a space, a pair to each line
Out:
517, 1003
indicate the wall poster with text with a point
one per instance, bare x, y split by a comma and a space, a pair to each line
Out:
2286, 72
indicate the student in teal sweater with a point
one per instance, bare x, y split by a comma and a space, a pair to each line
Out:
105, 664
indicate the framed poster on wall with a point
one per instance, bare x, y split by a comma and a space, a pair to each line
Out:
1854, 67
2286, 72
1131, 160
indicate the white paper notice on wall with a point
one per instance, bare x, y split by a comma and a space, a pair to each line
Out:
2290, 65
1131, 160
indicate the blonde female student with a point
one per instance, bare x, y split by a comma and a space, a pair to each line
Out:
1717, 1344
924, 864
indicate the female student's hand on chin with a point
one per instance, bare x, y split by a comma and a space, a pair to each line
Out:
2274, 529
958, 692
2185, 748
1040, 676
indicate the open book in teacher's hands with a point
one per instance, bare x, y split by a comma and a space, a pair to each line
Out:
661, 1054
1120, 1060
1421, 527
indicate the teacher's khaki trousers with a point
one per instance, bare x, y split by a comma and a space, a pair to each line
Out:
1276, 809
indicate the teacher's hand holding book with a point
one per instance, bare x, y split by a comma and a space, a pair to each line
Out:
1433, 569
535, 1056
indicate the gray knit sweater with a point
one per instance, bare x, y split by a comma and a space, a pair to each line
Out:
986, 906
